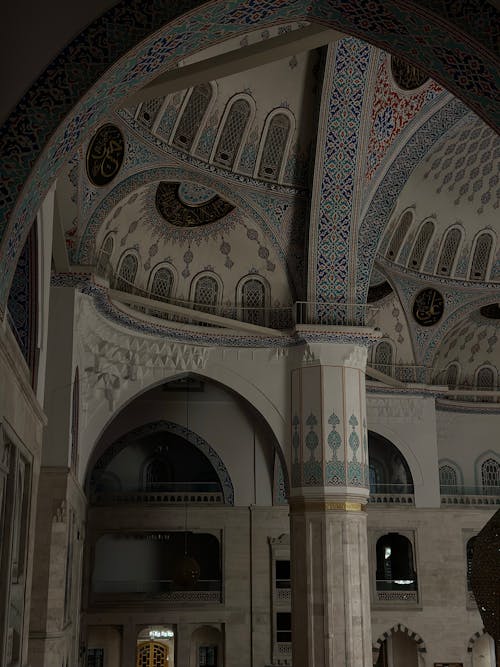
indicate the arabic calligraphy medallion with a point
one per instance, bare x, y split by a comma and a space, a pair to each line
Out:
105, 155
428, 307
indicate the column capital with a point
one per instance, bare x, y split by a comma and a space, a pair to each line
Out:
333, 345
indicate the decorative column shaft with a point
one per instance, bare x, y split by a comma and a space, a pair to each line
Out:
331, 624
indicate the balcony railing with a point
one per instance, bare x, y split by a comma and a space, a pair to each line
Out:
397, 494
116, 591
173, 492
484, 496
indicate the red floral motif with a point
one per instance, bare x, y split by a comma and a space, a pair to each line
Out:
404, 106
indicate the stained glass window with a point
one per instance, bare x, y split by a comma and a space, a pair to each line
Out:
383, 357
105, 253
447, 476
421, 245
232, 133
162, 284
452, 375
274, 147
149, 111
481, 257
192, 116
490, 475
449, 251
253, 299
399, 234
206, 294
127, 273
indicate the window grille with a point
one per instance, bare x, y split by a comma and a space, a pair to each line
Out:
253, 297
274, 147
421, 245
206, 294
399, 234
104, 256
149, 111
95, 657
232, 133
490, 475
162, 284
127, 273
383, 357
452, 375
470, 555
192, 116
486, 378
481, 257
447, 476
449, 252
207, 656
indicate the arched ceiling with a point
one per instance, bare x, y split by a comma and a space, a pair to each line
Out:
455, 185
449, 52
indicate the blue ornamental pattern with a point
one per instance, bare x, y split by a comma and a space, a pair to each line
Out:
313, 473
330, 249
355, 476
335, 469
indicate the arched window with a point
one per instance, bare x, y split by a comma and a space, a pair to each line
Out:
161, 287
232, 133
192, 116
103, 267
421, 245
395, 569
127, 272
490, 476
452, 375
274, 147
383, 357
447, 478
486, 379
449, 252
481, 257
398, 236
149, 111
253, 301
206, 294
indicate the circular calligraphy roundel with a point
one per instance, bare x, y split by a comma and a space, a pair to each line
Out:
428, 307
105, 155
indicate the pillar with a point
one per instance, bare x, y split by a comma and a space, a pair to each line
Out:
331, 624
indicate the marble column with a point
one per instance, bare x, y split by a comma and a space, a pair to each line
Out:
331, 625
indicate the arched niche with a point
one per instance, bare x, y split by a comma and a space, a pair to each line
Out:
165, 457
389, 470
221, 373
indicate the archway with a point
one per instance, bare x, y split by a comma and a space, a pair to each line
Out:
399, 646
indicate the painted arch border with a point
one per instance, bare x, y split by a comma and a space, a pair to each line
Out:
399, 627
26, 133
165, 426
